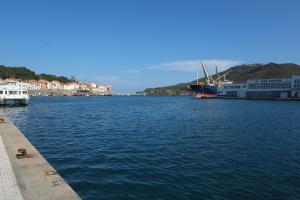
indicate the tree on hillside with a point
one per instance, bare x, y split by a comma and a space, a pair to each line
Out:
26, 74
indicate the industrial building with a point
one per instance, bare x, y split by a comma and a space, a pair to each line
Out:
264, 88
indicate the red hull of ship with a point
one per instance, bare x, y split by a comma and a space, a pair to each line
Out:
205, 95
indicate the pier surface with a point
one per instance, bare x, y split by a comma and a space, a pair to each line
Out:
27, 176
9, 189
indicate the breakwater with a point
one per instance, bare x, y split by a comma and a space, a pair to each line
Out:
25, 174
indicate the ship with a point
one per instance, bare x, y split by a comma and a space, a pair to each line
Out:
13, 93
210, 87
204, 90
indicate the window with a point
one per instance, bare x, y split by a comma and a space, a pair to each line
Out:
297, 83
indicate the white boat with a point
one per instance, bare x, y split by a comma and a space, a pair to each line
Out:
13, 92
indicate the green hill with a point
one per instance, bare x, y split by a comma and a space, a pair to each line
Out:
237, 74
26, 74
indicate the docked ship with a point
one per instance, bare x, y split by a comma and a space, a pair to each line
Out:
210, 86
13, 93
204, 90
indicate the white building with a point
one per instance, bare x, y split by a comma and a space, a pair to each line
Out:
92, 85
277, 88
296, 86
71, 86
84, 87
273, 88
235, 90
102, 90
33, 85
54, 85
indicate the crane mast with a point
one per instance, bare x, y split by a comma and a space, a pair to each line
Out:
209, 80
207, 77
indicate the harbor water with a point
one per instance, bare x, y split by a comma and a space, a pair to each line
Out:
167, 148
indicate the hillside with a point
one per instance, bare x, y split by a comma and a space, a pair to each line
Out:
26, 74
237, 74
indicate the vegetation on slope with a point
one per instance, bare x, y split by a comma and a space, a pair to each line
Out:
26, 74
238, 74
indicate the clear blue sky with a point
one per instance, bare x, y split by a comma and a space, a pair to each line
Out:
135, 44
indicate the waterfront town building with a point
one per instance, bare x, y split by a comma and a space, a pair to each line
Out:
54, 85
44, 87
71, 86
102, 90
264, 88
44, 84
84, 87
33, 85
92, 85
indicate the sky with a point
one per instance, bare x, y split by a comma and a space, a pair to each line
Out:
135, 44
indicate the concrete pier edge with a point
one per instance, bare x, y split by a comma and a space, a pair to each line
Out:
35, 177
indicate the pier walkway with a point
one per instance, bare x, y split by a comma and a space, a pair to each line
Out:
9, 189
24, 173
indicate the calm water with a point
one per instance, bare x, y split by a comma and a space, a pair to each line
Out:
168, 147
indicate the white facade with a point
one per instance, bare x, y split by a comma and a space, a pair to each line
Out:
238, 90
34, 85
68, 87
71, 86
269, 84
102, 90
84, 87
92, 85
296, 86
280, 88
39, 86
13, 90
53, 85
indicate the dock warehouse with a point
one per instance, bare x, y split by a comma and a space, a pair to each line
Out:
271, 88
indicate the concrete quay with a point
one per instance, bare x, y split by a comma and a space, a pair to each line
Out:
251, 98
24, 173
